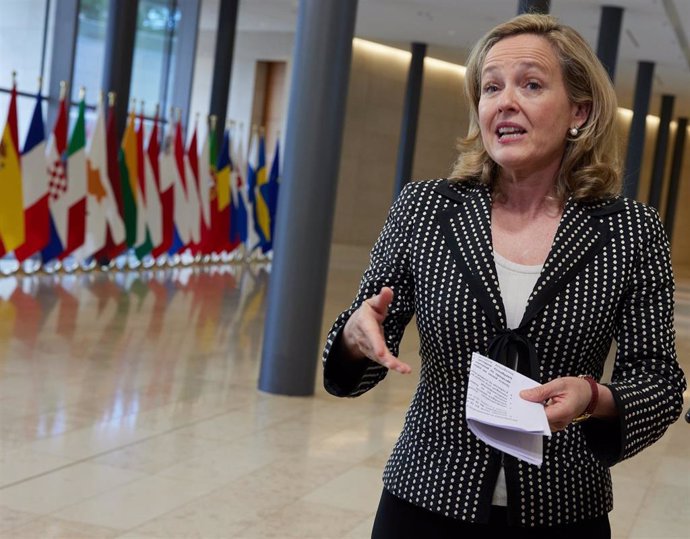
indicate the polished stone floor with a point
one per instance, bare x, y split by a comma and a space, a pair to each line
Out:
129, 409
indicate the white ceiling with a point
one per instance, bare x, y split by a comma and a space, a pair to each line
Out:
450, 27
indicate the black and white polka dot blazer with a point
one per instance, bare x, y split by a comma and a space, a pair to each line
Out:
608, 276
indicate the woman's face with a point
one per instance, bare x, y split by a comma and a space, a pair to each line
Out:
524, 110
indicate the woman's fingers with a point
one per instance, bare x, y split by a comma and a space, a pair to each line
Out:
380, 302
364, 330
563, 398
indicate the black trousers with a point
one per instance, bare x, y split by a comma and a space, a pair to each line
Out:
398, 519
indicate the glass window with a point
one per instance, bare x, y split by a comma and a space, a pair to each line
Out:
90, 49
22, 22
154, 53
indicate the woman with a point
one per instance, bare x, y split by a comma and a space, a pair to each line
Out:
528, 255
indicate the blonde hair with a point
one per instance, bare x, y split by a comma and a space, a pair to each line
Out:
590, 167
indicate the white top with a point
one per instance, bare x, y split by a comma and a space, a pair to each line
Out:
516, 282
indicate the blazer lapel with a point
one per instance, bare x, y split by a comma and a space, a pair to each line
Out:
466, 229
580, 236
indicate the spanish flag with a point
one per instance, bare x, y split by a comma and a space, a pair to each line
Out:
11, 199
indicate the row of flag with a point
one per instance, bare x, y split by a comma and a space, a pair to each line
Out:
99, 198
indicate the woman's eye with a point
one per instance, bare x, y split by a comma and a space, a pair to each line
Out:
532, 85
490, 88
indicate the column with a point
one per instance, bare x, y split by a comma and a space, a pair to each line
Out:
609, 37
313, 139
62, 60
659, 163
633, 158
222, 64
119, 56
408, 129
674, 183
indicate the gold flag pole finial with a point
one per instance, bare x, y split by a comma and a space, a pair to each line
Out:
213, 120
82, 92
111, 99
63, 89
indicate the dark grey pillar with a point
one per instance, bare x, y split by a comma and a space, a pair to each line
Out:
408, 129
316, 114
119, 56
222, 64
633, 158
187, 34
64, 46
609, 37
674, 182
659, 163
534, 6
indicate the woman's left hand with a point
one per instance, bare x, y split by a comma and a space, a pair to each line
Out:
564, 399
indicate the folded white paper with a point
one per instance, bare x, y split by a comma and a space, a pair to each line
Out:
497, 415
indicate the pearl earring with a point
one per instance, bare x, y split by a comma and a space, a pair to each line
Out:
573, 131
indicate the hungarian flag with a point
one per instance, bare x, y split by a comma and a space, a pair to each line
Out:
34, 187
143, 245
11, 199
128, 181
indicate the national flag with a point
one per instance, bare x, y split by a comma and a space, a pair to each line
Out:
144, 244
206, 179
166, 188
57, 183
193, 201
115, 242
248, 229
102, 212
128, 180
223, 175
183, 226
75, 197
34, 187
11, 198
257, 165
269, 193
154, 210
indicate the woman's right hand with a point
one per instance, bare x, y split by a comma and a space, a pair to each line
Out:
363, 333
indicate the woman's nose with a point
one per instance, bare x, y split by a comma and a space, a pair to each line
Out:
507, 100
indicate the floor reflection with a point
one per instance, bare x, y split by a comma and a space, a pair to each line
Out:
108, 346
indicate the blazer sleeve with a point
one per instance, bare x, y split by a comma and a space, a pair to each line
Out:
647, 383
389, 265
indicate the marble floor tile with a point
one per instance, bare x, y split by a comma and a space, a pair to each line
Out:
55, 528
358, 489
305, 520
63, 487
136, 502
11, 519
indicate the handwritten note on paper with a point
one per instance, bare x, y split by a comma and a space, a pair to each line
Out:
498, 415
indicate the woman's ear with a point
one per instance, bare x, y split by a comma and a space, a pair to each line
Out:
581, 112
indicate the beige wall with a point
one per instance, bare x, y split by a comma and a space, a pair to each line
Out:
370, 141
